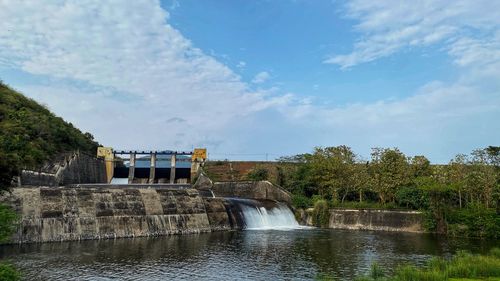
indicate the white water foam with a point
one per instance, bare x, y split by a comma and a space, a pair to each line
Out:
258, 217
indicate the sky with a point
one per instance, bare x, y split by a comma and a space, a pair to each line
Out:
255, 80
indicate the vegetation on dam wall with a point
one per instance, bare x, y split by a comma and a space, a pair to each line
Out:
30, 135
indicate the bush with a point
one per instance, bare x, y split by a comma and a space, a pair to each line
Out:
474, 221
429, 223
258, 174
301, 201
321, 213
412, 197
7, 222
8, 273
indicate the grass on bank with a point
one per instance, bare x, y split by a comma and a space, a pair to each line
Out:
463, 266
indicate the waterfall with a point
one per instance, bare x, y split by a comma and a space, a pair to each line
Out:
255, 215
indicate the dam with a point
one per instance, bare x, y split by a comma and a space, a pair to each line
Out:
238, 230
123, 194
81, 213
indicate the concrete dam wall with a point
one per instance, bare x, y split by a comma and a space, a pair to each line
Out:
77, 213
370, 219
261, 190
58, 214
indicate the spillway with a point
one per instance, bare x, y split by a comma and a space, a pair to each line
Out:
257, 215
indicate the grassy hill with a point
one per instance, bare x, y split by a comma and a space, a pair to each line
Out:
30, 135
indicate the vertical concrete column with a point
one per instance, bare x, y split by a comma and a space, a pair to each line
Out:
195, 166
152, 168
172, 168
131, 169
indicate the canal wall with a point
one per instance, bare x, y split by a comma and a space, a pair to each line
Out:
60, 214
369, 219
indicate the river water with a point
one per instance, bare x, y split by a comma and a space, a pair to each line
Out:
300, 254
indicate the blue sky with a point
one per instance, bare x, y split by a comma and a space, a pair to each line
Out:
250, 78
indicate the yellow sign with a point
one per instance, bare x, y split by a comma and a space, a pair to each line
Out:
199, 153
106, 152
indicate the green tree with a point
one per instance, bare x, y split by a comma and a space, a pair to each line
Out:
389, 170
361, 180
294, 175
439, 196
333, 168
457, 172
481, 181
420, 166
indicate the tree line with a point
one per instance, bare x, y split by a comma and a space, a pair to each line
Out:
468, 186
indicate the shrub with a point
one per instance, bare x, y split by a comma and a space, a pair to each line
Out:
7, 222
301, 201
258, 174
495, 252
474, 221
411, 197
321, 213
8, 273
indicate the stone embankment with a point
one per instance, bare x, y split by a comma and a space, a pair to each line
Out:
369, 219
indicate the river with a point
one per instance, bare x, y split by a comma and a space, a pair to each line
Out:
299, 254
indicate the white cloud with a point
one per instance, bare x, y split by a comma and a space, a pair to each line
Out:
456, 115
261, 77
387, 26
129, 50
241, 64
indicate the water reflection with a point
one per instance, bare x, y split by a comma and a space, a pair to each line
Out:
263, 255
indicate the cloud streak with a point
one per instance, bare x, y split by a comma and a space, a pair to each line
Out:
387, 27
